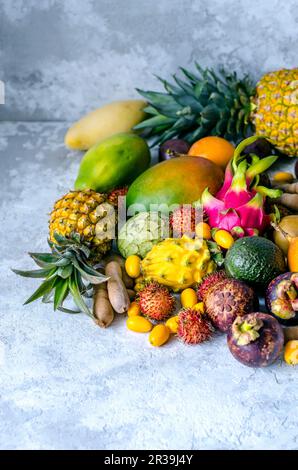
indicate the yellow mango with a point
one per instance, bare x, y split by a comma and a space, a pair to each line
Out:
112, 118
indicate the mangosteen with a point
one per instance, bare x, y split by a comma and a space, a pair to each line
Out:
228, 299
173, 148
256, 340
282, 298
260, 147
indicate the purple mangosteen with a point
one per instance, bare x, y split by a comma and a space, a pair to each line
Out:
282, 298
172, 148
256, 339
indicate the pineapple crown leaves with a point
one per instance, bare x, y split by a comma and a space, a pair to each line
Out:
197, 105
66, 271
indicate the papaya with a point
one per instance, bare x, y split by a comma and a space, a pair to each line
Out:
180, 180
113, 162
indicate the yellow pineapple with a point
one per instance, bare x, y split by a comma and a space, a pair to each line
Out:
82, 226
222, 104
178, 263
87, 213
275, 109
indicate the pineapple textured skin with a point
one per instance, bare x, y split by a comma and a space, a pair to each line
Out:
276, 109
87, 213
178, 263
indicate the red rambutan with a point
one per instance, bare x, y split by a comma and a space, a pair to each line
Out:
184, 219
209, 282
156, 302
115, 193
193, 328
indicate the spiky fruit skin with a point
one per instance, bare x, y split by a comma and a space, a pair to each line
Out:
178, 263
276, 113
113, 195
210, 281
183, 221
193, 328
227, 300
87, 213
271, 107
156, 302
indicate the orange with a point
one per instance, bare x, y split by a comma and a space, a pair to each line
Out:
293, 255
291, 352
216, 149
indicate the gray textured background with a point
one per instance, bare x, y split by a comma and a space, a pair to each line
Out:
62, 58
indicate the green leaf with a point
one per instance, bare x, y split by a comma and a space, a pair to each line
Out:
37, 273
164, 102
65, 272
92, 278
90, 270
43, 289
77, 297
67, 310
193, 78
150, 110
63, 262
48, 298
44, 260
60, 239
61, 291
154, 121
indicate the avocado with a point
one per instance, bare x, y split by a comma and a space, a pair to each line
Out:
113, 162
255, 260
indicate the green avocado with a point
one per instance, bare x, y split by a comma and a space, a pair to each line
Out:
255, 260
113, 162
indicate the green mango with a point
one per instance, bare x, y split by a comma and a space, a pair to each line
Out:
113, 162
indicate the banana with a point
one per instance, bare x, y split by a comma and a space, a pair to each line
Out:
112, 118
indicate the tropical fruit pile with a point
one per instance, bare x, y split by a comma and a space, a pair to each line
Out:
188, 246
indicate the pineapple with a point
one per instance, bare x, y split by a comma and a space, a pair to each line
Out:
81, 229
178, 263
87, 213
224, 105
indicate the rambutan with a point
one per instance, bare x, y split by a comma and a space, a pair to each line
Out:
115, 193
184, 219
193, 327
209, 282
156, 302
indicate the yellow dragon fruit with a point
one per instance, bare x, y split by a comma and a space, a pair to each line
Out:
178, 263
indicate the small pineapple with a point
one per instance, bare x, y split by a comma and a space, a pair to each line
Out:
224, 105
87, 213
178, 263
81, 229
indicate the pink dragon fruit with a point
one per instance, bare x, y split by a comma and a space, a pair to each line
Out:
238, 207
246, 219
